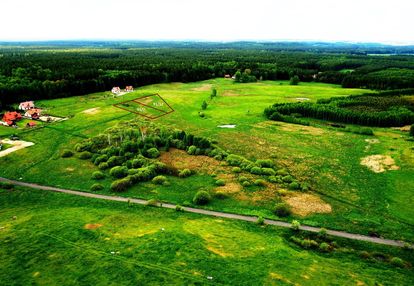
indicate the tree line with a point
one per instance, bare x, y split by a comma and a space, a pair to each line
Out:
46, 72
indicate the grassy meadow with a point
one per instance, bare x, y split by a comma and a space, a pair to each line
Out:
57, 239
326, 158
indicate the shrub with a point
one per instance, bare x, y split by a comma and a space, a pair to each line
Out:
98, 175
256, 170
365, 254
201, 198
268, 172
100, 159
294, 80
282, 210
274, 179
220, 195
260, 220
103, 166
267, 163
66, 153
204, 105
85, 155
153, 153
282, 172
192, 150
294, 186
243, 179
234, 160
121, 185
295, 225
115, 161
138, 162
396, 261
322, 233
119, 172
201, 114
324, 247
179, 208
260, 182
412, 130
246, 184
184, 173
152, 203
220, 182
236, 170
96, 187
159, 180
287, 179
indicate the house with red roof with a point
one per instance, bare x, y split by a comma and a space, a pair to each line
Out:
33, 113
26, 105
129, 88
10, 118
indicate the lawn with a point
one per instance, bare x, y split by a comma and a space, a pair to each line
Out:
58, 239
326, 158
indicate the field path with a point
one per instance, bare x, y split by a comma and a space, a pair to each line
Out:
17, 145
342, 234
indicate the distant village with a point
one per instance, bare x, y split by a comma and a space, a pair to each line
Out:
27, 110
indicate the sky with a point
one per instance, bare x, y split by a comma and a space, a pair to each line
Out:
209, 20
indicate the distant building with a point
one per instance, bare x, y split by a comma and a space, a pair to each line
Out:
31, 124
116, 90
10, 118
227, 76
26, 105
33, 113
129, 88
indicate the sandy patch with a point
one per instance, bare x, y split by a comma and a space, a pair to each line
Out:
306, 204
372, 141
70, 169
302, 98
203, 87
227, 126
17, 145
92, 111
92, 225
179, 159
379, 163
403, 129
48, 118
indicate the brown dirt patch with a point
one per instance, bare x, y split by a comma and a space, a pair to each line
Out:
92, 111
230, 93
291, 127
403, 129
92, 225
379, 163
218, 251
203, 87
179, 159
306, 204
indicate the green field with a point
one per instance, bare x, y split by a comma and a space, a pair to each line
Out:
57, 239
327, 159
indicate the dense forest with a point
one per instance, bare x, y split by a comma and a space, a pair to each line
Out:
61, 69
389, 108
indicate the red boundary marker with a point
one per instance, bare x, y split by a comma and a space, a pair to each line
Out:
136, 100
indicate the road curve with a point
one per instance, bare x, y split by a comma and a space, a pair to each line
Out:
342, 234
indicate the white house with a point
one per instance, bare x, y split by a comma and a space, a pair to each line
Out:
116, 90
26, 105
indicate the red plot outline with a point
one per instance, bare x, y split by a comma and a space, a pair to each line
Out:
136, 100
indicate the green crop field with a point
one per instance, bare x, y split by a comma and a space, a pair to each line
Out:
57, 239
344, 194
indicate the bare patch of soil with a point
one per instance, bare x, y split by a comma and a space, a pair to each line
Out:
92, 111
179, 159
92, 225
203, 87
306, 204
379, 163
403, 129
230, 93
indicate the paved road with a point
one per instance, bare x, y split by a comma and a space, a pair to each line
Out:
212, 213
17, 145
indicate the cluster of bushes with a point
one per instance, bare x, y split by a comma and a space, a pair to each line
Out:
316, 243
383, 110
378, 256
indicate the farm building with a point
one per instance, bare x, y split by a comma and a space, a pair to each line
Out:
31, 124
129, 88
26, 105
116, 90
227, 76
10, 118
33, 113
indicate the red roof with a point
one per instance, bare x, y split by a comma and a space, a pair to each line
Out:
10, 117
